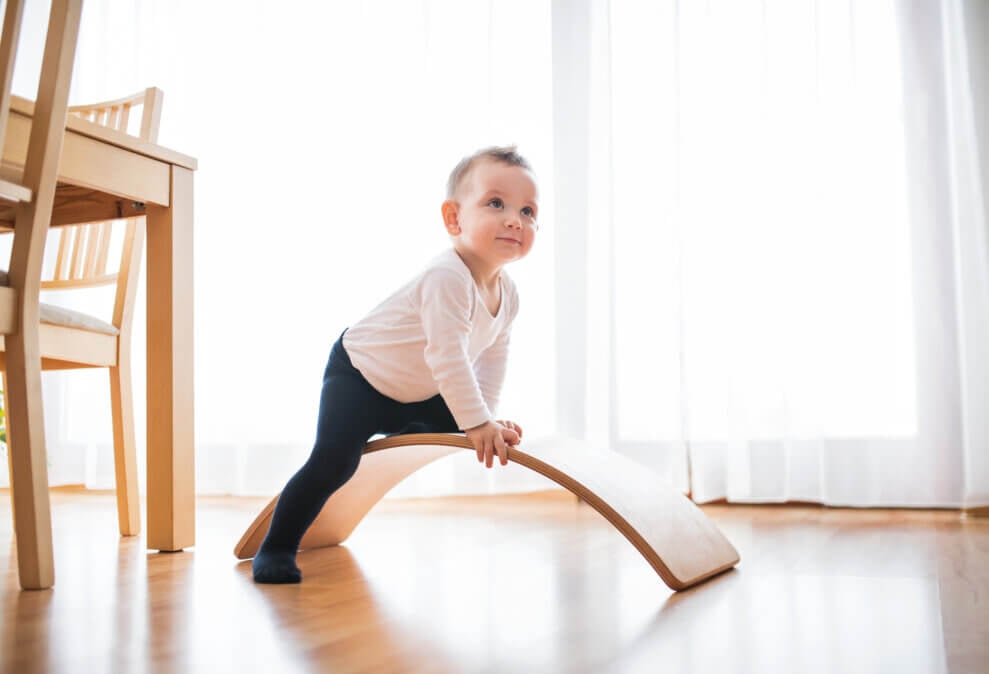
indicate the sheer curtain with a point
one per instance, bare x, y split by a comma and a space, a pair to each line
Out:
763, 271
788, 246
324, 134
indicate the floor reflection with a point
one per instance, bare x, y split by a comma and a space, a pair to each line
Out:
511, 586
344, 626
530, 602
25, 634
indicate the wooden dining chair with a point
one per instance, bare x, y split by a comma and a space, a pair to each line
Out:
70, 339
31, 188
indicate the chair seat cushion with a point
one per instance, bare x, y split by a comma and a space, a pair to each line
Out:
55, 315
69, 318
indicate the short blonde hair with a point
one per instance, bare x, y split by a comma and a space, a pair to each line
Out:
507, 154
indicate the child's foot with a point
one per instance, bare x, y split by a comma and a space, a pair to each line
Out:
276, 567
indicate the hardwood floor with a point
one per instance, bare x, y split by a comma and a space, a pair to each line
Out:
534, 583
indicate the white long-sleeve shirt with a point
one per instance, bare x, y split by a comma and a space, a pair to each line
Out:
436, 335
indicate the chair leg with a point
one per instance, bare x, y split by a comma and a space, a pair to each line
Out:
125, 446
10, 461
28, 462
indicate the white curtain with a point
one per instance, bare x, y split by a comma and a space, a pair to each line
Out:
763, 271
324, 134
789, 247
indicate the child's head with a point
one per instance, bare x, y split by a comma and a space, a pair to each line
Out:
506, 155
492, 206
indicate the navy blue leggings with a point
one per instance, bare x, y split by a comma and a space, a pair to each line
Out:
350, 412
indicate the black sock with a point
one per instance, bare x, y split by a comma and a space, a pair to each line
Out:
297, 507
275, 566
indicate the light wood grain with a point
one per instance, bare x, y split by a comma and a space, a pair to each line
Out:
81, 263
25, 418
124, 443
115, 114
8, 310
77, 205
104, 173
510, 583
171, 508
9, 41
121, 381
95, 163
667, 529
65, 348
78, 127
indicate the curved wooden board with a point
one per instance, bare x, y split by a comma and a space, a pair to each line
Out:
377, 473
677, 539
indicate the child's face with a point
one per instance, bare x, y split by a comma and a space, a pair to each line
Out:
494, 212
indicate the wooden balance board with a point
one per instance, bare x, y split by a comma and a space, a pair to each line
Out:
674, 535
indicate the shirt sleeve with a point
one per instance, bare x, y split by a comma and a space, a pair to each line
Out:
445, 308
491, 365
490, 368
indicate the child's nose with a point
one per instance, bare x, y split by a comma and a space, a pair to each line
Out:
513, 220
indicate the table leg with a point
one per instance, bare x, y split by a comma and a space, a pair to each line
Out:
171, 452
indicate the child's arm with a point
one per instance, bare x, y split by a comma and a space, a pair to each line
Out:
445, 306
490, 370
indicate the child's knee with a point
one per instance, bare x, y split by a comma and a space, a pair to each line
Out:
334, 465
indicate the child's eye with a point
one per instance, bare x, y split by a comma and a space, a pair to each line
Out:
528, 212
496, 203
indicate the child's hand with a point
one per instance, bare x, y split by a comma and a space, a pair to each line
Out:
491, 437
512, 425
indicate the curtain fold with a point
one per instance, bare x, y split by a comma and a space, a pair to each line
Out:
791, 238
966, 26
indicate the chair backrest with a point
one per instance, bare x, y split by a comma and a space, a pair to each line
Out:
82, 257
117, 114
83, 250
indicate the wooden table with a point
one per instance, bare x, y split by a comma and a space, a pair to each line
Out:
105, 174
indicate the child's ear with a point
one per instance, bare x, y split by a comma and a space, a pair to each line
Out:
451, 212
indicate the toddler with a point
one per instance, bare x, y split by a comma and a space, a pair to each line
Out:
429, 359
